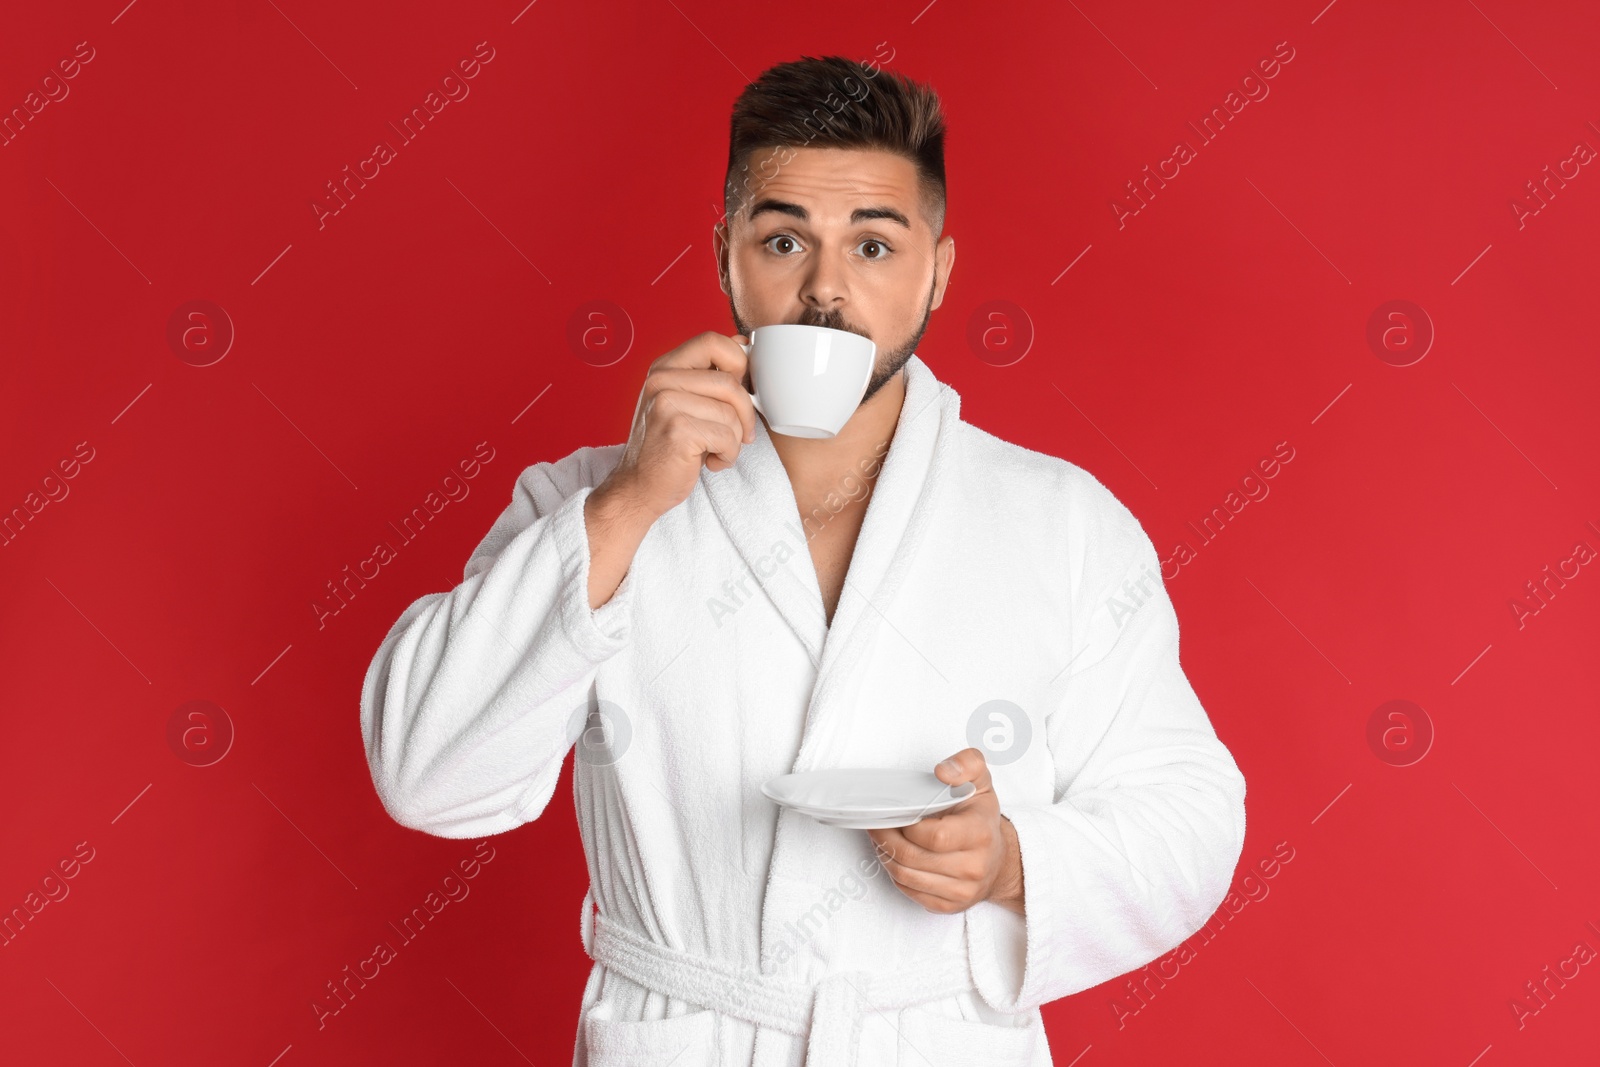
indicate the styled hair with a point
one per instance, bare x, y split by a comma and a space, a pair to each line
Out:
834, 102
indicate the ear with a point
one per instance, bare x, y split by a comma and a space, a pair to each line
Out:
719, 249
944, 261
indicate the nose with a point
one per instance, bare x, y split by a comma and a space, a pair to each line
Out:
824, 290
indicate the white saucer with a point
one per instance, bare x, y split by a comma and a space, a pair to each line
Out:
866, 798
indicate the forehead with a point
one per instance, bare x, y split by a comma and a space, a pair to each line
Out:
830, 182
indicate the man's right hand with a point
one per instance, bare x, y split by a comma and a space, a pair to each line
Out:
693, 411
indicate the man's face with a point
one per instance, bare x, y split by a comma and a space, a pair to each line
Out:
835, 237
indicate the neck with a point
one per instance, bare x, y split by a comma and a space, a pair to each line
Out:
811, 463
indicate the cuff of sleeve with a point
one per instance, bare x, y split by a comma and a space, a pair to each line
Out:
596, 632
1006, 949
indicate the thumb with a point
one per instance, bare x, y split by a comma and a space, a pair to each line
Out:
966, 765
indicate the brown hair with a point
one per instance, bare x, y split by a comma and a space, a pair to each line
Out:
834, 102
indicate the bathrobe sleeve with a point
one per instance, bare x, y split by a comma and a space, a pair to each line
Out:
468, 707
1138, 849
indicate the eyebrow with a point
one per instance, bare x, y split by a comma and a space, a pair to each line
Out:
860, 214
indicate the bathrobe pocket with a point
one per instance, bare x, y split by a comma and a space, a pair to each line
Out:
928, 1039
683, 1041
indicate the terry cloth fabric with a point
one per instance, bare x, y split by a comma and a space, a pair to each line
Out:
982, 572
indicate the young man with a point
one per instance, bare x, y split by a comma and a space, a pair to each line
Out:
710, 606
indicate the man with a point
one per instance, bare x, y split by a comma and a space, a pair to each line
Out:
710, 606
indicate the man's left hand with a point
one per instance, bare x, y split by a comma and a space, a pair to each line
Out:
949, 861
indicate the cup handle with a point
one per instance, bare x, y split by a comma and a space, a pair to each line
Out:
754, 399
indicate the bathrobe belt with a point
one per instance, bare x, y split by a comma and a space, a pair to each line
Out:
828, 1014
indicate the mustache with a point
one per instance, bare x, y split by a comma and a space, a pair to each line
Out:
833, 320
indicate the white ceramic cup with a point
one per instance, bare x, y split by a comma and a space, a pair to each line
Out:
808, 380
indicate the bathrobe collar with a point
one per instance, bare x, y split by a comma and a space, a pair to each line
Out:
754, 500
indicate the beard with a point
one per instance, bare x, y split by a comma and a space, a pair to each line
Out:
888, 364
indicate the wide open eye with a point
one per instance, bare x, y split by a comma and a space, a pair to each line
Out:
882, 252
793, 245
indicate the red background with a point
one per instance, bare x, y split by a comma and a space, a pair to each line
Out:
374, 354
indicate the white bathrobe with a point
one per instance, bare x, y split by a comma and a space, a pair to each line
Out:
730, 931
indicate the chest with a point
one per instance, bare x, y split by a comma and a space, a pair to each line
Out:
729, 670
832, 543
